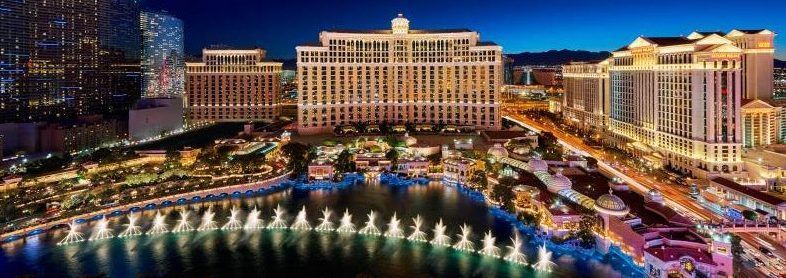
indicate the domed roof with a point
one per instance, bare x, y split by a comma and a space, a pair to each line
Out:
537, 165
498, 151
611, 205
559, 182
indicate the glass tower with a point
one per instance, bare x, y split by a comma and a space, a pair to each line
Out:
163, 65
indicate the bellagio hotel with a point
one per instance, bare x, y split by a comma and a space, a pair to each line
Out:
232, 85
677, 100
398, 76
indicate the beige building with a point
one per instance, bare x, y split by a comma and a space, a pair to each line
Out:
232, 85
398, 75
681, 97
758, 53
759, 123
585, 102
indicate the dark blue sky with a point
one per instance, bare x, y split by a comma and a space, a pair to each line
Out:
518, 25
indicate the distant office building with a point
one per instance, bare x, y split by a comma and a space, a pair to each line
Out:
123, 31
153, 117
163, 59
398, 75
81, 134
585, 102
50, 60
508, 67
547, 76
233, 85
680, 97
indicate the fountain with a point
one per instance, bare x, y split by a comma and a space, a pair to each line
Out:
393, 228
515, 255
278, 219
234, 222
131, 228
489, 249
544, 263
370, 228
301, 221
73, 235
182, 224
439, 235
207, 220
346, 225
464, 243
252, 220
101, 231
325, 225
159, 225
417, 234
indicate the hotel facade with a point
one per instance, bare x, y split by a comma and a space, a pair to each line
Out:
399, 75
232, 85
585, 102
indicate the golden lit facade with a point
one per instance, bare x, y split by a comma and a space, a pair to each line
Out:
757, 61
232, 85
759, 124
398, 76
585, 102
681, 97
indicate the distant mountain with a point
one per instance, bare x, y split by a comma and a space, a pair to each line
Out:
780, 64
556, 57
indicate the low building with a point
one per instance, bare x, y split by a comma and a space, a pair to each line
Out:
84, 133
154, 117
320, 170
735, 193
458, 169
417, 166
759, 123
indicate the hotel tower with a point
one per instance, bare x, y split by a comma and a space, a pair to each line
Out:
398, 76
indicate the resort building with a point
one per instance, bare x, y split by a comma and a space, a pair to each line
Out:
398, 75
233, 85
458, 170
681, 97
585, 102
758, 53
732, 195
759, 123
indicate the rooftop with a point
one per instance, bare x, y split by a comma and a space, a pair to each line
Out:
761, 196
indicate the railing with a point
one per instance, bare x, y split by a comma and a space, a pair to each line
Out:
230, 189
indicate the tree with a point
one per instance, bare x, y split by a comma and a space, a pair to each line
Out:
549, 147
585, 234
749, 215
591, 162
479, 179
299, 156
344, 163
8, 212
502, 193
392, 155
435, 159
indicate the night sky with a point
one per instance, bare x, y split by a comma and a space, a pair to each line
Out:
518, 25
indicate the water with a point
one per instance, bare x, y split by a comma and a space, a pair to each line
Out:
302, 253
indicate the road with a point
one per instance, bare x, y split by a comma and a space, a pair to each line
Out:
677, 196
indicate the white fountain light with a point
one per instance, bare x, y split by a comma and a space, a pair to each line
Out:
439, 235
252, 220
182, 224
101, 231
393, 228
544, 263
370, 228
514, 253
131, 228
73, 235
234, 222
464, 243
417, 234
325, 225
346, 225
301, 221
278, 219
159, 225
489, 249
207, 220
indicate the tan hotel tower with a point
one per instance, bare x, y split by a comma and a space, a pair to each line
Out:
398, 76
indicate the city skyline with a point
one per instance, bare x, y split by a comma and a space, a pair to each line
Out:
517, 26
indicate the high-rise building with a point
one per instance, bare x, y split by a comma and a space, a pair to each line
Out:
681, 97
758, 54
233, 85
585, 102
163, 59
50, 61
398, 75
